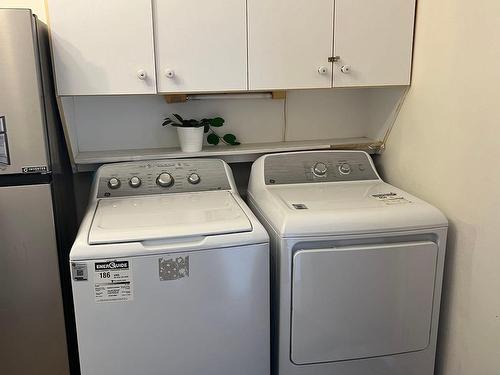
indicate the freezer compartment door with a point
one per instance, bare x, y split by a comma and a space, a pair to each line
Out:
31, 308
23, 145
362, 301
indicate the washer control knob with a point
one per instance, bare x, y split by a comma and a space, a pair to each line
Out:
320, 169
194, 178
135, 182
165, 180
114, 183
344, 168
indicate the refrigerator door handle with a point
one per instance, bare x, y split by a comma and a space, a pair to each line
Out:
4, 143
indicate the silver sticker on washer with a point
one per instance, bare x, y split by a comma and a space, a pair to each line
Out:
79, 271
173, 268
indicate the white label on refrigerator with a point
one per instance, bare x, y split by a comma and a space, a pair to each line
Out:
113, 281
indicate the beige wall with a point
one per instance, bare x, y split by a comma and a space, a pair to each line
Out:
445, 148
37, 6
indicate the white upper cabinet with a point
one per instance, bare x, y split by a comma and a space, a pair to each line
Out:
113, 47
289, 43
373, 41
102, 47
200, 45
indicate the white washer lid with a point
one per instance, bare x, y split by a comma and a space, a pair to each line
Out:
166, 217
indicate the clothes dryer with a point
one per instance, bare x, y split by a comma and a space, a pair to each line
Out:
357, 266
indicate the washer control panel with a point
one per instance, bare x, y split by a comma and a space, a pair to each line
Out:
161, 177
324, 166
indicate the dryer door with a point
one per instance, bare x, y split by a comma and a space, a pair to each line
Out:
362, 301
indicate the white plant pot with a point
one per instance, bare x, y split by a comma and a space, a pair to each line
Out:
191, 139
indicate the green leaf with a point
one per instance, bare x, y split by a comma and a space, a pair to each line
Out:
216, 122
192, 123
167, 122
206, 128
178, 117
213, 139
229, 138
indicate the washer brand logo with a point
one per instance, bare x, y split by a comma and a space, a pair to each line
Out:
113, 265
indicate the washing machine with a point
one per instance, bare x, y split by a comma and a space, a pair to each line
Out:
170, 273
357, 266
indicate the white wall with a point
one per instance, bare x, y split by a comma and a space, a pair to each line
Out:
134, 122
37, 6
445, 148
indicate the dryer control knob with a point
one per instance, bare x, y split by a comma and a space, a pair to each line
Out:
345, 168
114, 183
194, 178
165, 180
320, 169
135, 182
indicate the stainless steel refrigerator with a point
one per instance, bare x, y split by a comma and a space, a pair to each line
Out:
37, 216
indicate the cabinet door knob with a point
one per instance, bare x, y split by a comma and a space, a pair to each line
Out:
170, 73
141, 74
345, 69
322, 70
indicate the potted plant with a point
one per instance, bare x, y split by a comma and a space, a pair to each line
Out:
191, 131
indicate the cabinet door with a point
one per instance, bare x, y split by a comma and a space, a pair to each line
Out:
201, 45
373, 39
289, 42
102, 47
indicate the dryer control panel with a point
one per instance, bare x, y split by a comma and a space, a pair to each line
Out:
161, 177
324, 166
